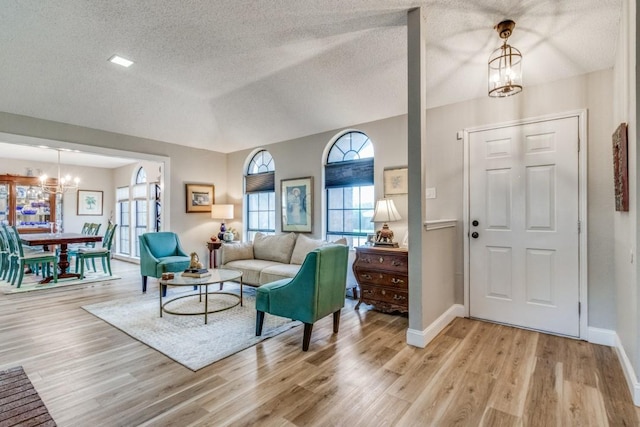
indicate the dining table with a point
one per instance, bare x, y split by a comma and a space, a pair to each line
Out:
62, 240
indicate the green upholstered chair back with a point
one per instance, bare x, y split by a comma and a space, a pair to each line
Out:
162, 244
316, 291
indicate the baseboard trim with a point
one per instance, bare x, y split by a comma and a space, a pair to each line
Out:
602, 336
420, 339
629, 372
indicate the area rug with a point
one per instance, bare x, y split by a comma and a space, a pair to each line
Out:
20, 404
30, 282
186, 339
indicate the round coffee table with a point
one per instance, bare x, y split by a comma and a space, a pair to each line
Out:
217, 275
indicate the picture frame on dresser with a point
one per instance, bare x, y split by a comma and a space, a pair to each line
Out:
297, 204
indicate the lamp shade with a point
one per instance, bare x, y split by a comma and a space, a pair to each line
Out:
385, 211
222, 211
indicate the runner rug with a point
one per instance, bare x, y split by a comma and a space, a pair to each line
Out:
30, 283
186, 339
20, 404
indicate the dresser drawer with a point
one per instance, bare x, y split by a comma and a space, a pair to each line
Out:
390, 280
383, 261
391, 296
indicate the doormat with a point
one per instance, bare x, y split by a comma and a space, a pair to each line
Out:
20, 403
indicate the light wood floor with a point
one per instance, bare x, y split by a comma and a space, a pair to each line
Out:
474, 373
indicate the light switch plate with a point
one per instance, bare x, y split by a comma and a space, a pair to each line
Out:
431, 193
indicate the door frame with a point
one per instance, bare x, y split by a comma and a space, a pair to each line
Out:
582, 206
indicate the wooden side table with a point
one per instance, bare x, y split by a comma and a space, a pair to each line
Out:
213, 247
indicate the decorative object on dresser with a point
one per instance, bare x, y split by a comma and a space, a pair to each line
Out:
385, 212
383, 277
221, 213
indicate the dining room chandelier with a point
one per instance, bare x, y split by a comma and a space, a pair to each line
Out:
505, 65
61, 185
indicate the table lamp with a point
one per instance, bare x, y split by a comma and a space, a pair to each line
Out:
220, 213
385, 212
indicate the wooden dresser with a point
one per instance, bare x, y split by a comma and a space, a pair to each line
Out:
383, 277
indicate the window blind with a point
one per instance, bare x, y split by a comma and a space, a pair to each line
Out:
349, 174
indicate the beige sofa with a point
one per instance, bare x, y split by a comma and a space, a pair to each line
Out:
269, 258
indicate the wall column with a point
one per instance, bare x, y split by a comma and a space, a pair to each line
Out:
416, 79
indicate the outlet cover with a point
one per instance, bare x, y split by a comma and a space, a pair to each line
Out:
431, 193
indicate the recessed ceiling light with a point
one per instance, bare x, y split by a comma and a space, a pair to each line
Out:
120, 61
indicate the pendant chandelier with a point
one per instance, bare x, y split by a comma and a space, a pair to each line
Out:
63, 184
505, 65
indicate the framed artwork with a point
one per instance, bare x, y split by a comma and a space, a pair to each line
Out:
199, 197
297, 204
621, 168
89, 202
396, 181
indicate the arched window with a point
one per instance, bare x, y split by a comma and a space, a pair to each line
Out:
137, 212
141, 176
349, 186
260, 194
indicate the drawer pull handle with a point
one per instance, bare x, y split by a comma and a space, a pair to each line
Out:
396, 263
366, 276
399, 297
367, 260
396, 281
381, 260
367, 291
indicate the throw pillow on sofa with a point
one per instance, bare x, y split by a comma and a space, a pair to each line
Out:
304, 245
236, 251
276, 248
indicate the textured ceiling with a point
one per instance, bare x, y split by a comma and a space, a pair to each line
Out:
229, 74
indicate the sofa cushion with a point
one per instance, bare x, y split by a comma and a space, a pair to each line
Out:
234, 251
250, 268
277, 272
305, 244
276, 248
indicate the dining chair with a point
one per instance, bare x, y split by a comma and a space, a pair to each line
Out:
89, 229
34, 260
4, 254
84, 254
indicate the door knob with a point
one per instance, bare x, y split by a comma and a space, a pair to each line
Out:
475, 223
475, 234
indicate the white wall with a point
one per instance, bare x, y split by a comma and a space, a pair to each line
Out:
626, 223
444, 159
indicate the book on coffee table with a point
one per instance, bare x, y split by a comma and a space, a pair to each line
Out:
196, 272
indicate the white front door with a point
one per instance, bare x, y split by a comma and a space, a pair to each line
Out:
523, 225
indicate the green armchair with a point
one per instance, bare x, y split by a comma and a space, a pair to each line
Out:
315, 292
161, 252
